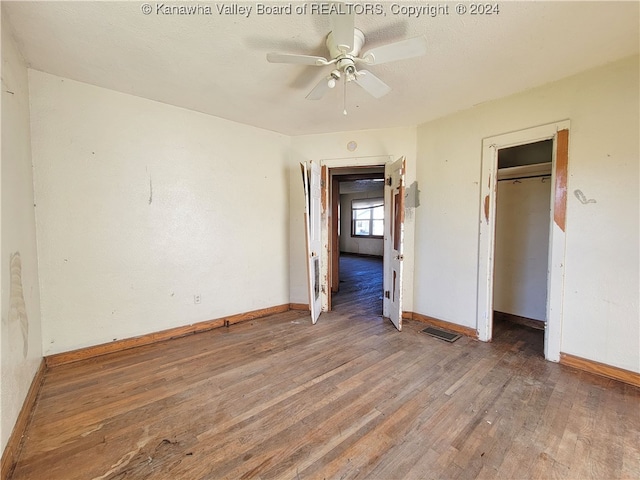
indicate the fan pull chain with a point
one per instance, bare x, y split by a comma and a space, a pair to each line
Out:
344, 112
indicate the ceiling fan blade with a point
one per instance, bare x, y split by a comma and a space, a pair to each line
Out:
297, 59
320, 89
412, 47
342, 25
372, 84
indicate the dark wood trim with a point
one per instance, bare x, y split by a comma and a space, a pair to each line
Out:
126, 343
597, 368
299, 306
454, 327
562, 163
487, 202
263, 312
325, 281
528, 322
11, 451
334, 240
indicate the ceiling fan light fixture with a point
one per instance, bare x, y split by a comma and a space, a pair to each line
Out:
345, 43
350, 70
333, 76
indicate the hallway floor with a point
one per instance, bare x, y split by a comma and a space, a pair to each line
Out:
360, 285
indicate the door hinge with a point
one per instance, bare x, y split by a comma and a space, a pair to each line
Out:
387, 294
389, 181
322, 183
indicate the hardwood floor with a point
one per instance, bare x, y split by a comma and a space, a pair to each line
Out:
360, 285
347, 398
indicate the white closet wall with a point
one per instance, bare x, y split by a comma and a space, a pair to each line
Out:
521, 249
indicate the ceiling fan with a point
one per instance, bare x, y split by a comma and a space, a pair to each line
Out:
345, 43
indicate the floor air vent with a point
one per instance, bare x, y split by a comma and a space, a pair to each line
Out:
442, 334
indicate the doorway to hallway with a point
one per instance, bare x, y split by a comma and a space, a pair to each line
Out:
357, 238
391, 175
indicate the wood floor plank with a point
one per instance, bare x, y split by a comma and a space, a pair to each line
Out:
350, 397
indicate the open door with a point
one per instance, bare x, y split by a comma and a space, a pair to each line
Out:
394, 233
312, 216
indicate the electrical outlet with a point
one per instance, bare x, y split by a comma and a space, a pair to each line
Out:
197, 299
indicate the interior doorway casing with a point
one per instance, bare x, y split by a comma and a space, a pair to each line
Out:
337, 177
558, 132
327, 240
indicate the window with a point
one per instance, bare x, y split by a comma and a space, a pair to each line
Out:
367, 217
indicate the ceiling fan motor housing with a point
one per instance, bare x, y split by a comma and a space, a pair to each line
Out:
335, 51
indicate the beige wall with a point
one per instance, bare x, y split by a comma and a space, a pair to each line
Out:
522, 247
21, 345
142, 205
600, 315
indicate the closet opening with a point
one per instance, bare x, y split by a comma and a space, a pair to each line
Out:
522, 238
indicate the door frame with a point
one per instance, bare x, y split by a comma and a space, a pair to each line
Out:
559, 133
334, 250
327, 212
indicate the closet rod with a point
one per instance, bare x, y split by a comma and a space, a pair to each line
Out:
526, 176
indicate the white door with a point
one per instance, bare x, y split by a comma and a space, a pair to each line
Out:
394, 233
312, 183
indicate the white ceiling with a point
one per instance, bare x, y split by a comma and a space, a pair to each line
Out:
216, 63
